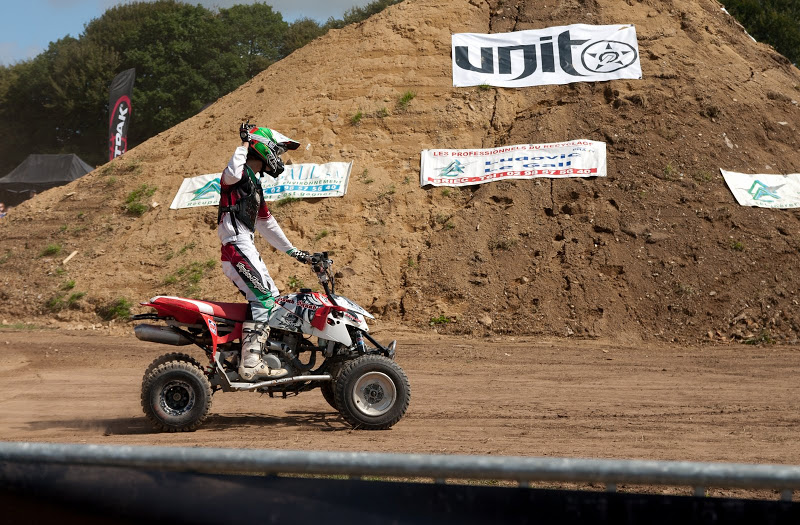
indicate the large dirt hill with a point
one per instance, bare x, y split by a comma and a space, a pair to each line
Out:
658, 249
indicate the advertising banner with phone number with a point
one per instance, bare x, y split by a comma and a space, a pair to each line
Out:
299, 181
465, 167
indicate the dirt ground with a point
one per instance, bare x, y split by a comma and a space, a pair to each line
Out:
520, 397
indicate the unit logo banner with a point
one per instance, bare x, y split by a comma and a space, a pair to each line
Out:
554, 55
465, 167
299, 181
764, 191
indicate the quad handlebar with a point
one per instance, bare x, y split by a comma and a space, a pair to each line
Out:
321, 265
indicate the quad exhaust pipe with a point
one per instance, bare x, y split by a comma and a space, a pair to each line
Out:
160, 334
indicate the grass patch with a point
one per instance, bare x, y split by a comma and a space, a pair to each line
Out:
442, 319
411, 263
446, 192
405, 100
60, 301
365, 178
737, 246
69, 285
283, 201
502, 244
702, 176
390, 190
111, 181
5, 258
669, 171
382, 113
321, 235
50, 249
764, 338
117, 309
356, 119
133, 202
190, 275
294, 283
185, 248
484, 87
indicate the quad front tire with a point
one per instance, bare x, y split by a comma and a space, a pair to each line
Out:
176, 396
372, 392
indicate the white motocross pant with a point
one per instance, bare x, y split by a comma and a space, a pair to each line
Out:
242, 264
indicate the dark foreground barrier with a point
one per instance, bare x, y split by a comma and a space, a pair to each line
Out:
91, 484
90, 495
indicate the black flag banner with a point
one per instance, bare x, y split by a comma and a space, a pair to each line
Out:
119, 107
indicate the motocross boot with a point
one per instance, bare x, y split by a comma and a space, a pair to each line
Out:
251, 367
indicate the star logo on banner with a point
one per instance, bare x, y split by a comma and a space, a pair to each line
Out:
760, 191
209, 187
607, 56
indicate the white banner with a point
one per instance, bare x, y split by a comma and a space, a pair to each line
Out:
764, 191
300, 181
554, 55
465, 167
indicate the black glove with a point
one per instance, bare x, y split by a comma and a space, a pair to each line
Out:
302, 256
244, 131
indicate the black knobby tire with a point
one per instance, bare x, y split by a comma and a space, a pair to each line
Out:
172, 356
372, 392
328, 388
176, 396
329, 394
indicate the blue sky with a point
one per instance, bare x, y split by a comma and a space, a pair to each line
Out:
28, 26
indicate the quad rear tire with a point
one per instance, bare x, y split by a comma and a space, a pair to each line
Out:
372, 392
176, 396
172, 356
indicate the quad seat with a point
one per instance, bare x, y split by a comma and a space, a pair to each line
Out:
186, 310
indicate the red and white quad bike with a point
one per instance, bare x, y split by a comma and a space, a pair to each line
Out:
363, 383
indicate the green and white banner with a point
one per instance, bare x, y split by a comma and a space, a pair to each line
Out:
764, 191
299, 181
465, 167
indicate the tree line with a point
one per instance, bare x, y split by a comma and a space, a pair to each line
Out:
774, 22
186, 56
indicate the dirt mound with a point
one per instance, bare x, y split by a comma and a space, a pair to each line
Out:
659, 248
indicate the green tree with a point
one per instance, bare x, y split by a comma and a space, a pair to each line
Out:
301, 32
359, 14
775, 22
52, 101
255, 35
180, 55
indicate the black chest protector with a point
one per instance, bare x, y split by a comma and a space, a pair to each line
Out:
248, 197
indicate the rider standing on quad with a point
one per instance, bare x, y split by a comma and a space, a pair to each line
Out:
242, 211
